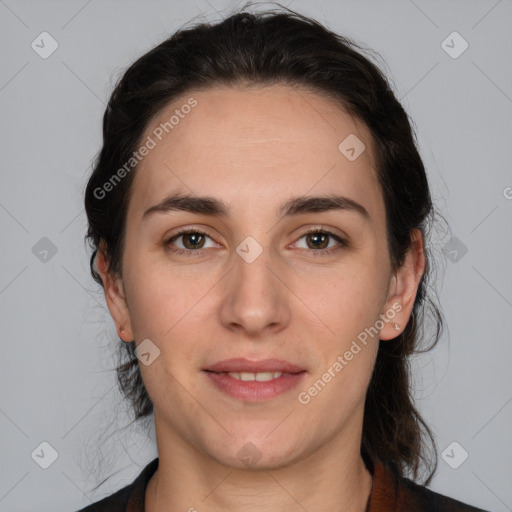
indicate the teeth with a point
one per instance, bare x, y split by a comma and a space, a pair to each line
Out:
260, 377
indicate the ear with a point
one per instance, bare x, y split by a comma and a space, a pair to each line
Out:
114, 296
403, 287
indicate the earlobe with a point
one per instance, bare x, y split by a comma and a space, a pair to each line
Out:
403, 288
114, 296
121, 332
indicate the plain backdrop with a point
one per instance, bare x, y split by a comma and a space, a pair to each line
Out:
57, 382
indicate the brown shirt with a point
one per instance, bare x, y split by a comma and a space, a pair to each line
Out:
390, 493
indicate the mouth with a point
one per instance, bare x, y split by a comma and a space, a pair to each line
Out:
254, 381
249, 376
243, 365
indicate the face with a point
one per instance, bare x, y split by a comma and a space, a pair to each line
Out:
254, 284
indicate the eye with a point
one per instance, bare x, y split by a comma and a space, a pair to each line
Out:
319, 237
193, 241
192, 238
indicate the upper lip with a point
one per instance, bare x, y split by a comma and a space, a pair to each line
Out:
241, 364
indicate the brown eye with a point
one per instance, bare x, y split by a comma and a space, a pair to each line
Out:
317, 240
192, 240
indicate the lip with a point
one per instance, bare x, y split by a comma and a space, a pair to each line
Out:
254, 391
241, 364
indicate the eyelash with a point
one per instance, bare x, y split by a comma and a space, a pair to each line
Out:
168, 243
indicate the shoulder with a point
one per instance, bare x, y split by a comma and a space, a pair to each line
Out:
427, 500
394, 493
117, 502
132, 495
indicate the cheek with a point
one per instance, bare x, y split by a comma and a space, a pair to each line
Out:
336, 394
347, 301
157, 298
349, 307
167, 310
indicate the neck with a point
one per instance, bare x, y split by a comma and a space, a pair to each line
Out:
333, 478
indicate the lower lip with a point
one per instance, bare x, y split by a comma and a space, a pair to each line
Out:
255, 391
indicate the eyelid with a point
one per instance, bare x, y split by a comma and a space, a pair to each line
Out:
323, 229
188, 230
340, 239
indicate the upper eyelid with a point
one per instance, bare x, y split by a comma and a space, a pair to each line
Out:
341, 239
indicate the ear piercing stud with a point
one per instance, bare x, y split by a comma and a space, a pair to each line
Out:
396, 326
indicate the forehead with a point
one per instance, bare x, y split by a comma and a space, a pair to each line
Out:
255, 143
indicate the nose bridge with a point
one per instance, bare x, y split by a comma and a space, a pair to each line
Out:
251, 265
255, 296
251, 274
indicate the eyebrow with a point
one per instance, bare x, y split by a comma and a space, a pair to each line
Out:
206, 205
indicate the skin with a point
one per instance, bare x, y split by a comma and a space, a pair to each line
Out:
255, 148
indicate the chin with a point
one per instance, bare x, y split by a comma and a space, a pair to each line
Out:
257, 453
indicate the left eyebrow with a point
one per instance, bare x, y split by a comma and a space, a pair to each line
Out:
296, 206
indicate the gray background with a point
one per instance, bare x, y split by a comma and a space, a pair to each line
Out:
57, 383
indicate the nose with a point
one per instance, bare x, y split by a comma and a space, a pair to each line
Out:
255, 300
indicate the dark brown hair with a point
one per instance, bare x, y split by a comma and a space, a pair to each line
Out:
261, 48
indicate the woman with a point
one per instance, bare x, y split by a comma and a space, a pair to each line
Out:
259, 220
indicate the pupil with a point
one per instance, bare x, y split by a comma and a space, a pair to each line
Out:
193, 235
316, 236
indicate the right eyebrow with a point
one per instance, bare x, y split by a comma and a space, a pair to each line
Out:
193, 204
